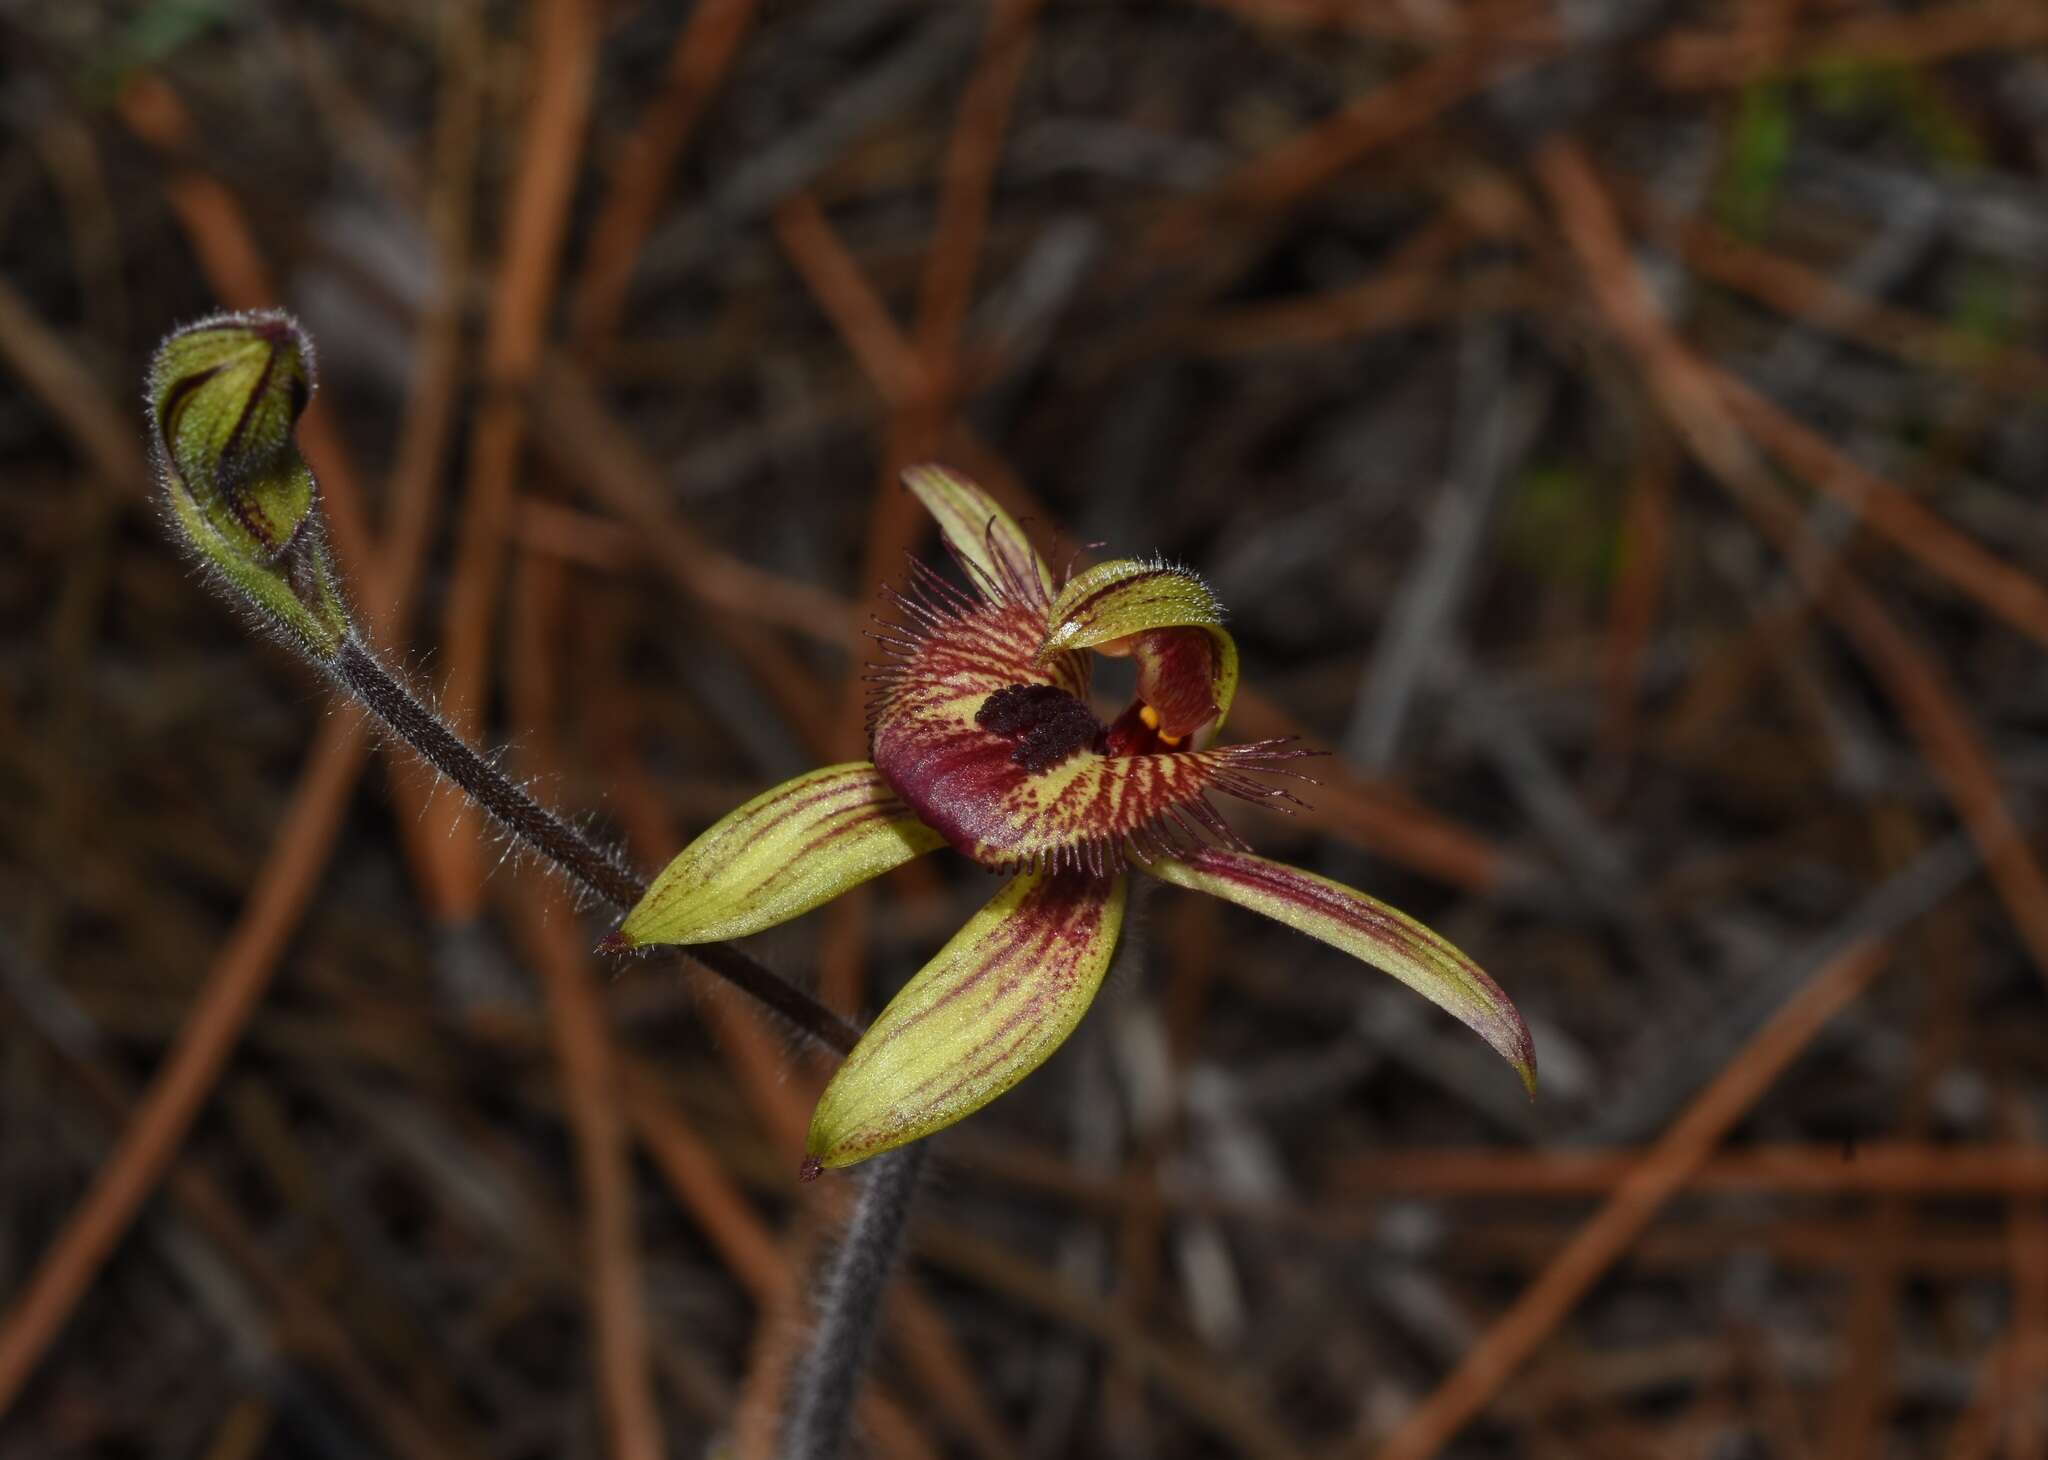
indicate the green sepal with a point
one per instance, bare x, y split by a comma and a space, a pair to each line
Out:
986, 539
782, 854
1369, 931
987, 1011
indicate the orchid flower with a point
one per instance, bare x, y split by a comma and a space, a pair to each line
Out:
983, 739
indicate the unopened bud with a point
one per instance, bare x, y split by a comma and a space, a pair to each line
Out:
224, 395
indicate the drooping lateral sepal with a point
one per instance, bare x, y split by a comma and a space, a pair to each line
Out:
1169, 621
1368, 930
782, 854
987, 1011
993, 549
224, 396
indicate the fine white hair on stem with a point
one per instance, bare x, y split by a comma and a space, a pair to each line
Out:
849, 1308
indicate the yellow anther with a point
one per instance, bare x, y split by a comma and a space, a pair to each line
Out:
1150, 716
1165, 739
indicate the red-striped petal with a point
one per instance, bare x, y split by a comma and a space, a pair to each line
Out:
1367, 929
990, 1009
783, 853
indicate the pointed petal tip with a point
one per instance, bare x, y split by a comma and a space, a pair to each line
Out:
810, 1169
1511, 1040
1369, 931
616, 943
1504, 1032
1525, 1066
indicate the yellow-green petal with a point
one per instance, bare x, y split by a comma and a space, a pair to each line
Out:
1368, 930
1119, 605
990, 1009
986, 539
1125, 596
783, 853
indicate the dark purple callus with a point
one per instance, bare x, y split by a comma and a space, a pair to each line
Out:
1047, 723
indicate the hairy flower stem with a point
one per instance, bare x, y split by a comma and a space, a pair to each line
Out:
828, 1377
831, 1372
595, 867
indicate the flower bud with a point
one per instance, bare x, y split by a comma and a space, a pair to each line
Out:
224, 395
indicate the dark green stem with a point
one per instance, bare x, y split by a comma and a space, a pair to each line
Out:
828, 1379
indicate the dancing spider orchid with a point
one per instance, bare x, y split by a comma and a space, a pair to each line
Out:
982, 738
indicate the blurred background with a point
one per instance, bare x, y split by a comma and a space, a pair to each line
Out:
1618, 431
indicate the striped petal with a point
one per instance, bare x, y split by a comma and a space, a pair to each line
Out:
1368, 930
986, 1012
1121, 597
996, 749
783, 853
1169, 621
987, 540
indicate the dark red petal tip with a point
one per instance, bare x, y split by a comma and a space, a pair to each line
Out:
615, 943
810, 1169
